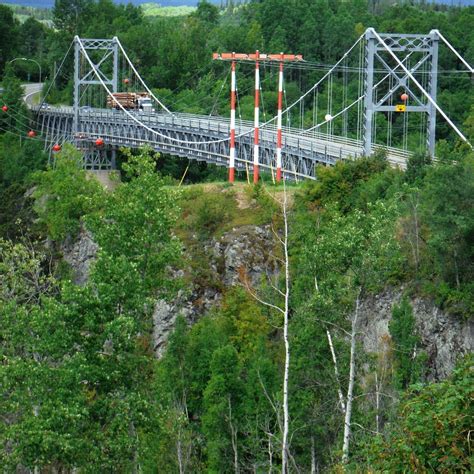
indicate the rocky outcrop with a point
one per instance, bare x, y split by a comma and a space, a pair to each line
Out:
443, 337
80, 253
248, 250
245, 250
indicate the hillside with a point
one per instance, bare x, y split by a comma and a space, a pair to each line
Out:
169, 295
162, 3
155, 9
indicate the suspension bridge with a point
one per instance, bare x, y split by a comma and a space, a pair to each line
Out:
360, 104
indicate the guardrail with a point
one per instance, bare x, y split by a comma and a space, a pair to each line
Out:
309, 142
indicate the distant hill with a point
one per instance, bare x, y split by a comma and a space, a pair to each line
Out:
181, 3
163, 3
156, 9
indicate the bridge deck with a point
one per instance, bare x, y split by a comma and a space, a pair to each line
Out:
177, 134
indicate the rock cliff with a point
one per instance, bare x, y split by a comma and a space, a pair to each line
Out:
443, 337
243, 249
249, 249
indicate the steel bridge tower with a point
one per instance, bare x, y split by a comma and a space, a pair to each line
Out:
400, 57
105, 54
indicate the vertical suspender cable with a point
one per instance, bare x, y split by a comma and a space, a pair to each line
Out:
405, 115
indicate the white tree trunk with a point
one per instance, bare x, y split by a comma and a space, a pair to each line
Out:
284, 427
233, 432
377, 404
179, 453
313, 457
284, 453
270, 455
336, 371
350, 389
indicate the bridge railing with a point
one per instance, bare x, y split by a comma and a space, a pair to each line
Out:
309, 142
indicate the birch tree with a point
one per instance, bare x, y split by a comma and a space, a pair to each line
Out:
283, 309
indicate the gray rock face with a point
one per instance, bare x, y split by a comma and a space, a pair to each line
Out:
246, 250
444, 338
80, 254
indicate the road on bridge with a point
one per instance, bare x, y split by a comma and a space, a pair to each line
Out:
30, 91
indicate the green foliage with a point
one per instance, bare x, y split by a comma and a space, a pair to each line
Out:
153, 9
339, 184
18, 160
408, 356
90, 343
433, 428
448, 202
132, 227
417, 166
210, 212
22, 279
447, 212
64, 194
16, 118
214, 374
221, 407
8, 38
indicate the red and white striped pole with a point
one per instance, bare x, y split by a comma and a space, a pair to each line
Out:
256, 120
279, 118
232, 121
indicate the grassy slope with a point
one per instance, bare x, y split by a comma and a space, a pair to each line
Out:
44, 15
214, 208
154, 9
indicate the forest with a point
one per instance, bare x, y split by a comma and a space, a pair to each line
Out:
267, 294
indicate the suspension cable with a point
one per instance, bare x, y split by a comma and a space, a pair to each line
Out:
138, 75
57, 73
155, 132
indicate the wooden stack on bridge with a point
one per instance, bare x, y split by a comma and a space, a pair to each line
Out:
128, 100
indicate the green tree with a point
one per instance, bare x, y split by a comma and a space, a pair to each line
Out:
221, 418
15, 119
33, 36
19, 160
132, 227
8, 35
433, 428
416, 167
71, 15
90, 343
207, 12
407, 353
447, 210
64, 194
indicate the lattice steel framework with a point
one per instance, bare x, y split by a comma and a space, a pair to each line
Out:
419, 54
107, 66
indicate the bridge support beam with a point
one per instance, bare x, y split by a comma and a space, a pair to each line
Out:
370, 46
106, 62
432, 86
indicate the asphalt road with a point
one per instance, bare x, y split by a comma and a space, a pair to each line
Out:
30, 91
